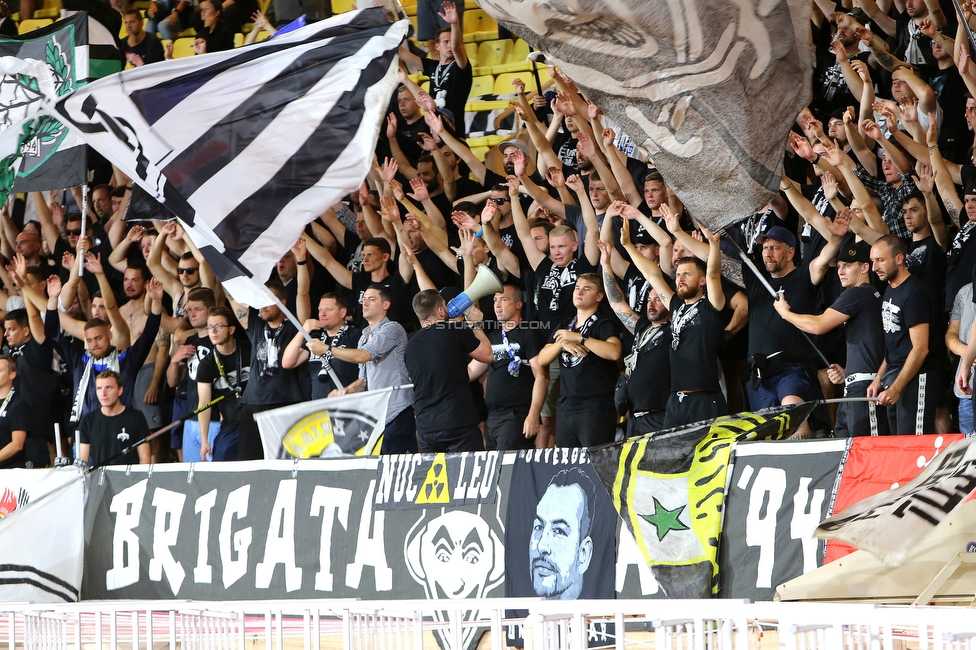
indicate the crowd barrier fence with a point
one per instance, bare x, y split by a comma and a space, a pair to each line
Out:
544, 625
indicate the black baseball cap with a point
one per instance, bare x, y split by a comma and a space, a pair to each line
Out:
858, 252
778, 233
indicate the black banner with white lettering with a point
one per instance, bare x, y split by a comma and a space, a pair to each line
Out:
777, 494
410, 481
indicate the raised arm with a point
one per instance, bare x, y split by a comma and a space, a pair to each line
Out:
120, 328
614, 295
647, 267
339, 273
507, 260
532, 253
154, 262
925, 182
590, 248
713, 272
463, 152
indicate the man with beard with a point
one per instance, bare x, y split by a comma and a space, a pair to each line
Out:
837, 86
190, 272
911, 44
905, 380
84, 364
270, 385
329, 331
783, 363
146, 394
517, 384
696, 331
427, 172
648, 366
858, 310
560, 547
112, 427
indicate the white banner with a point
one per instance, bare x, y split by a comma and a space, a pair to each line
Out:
890, 524
41, 534
326, 428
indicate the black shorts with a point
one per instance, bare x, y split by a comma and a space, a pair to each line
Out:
685, 408
504, 430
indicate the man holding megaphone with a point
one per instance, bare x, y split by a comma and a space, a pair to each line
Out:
437, 359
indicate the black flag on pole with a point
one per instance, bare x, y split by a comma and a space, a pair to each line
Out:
246, 147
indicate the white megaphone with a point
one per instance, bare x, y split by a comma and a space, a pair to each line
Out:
485, 282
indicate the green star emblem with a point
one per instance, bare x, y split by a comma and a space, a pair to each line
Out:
664, 520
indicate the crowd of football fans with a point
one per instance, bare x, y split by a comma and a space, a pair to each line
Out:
618, 313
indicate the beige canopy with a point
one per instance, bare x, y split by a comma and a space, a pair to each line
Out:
939, 565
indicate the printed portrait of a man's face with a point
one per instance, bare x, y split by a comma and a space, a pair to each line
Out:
560, 548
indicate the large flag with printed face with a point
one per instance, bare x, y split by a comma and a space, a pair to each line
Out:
888, 525
708, 88
246, 147
76, 50
669, 488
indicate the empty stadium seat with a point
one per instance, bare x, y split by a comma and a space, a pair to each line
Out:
479, 26
515, 60
31, 24
503, 83
494, 52
482, 86
342, 6
48, 12
238, 40
183, 47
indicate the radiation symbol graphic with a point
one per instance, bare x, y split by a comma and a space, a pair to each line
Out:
434, 489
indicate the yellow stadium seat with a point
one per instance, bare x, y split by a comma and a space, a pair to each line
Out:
238, 40
48, 12
503, 83
183, 47
493, 52
410, 9
31, 24
472, 51
520, 50
342, 6
262, 36
481, 86
479, 26
480, 152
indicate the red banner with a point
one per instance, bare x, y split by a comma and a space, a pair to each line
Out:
878, 463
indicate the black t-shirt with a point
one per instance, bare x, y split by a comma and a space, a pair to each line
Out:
554, 291
768, 332
221, 39
505, 390
189, 385
450, 86
38, 384
408, 137
437, 361
950, 90
865, 337
636, 289
696, 336
400, 309
224, 383
347, 337
904, 306
268, 382
14, 418
149, 49
351, 253
961, 261
589, 376
110, 434
927, 261
650, 380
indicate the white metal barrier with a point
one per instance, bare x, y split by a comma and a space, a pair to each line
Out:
549, 625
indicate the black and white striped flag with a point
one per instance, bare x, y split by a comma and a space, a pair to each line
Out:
246, 147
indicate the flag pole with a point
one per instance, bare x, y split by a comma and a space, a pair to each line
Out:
969, 32
775, 294
308, 338
84, 223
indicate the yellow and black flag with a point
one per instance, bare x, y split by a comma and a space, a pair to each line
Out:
669, 488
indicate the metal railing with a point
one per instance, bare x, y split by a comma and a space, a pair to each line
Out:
547, 625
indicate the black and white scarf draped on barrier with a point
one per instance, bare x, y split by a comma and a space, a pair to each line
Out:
707, 88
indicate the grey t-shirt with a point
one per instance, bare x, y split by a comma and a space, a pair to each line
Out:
963, 311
